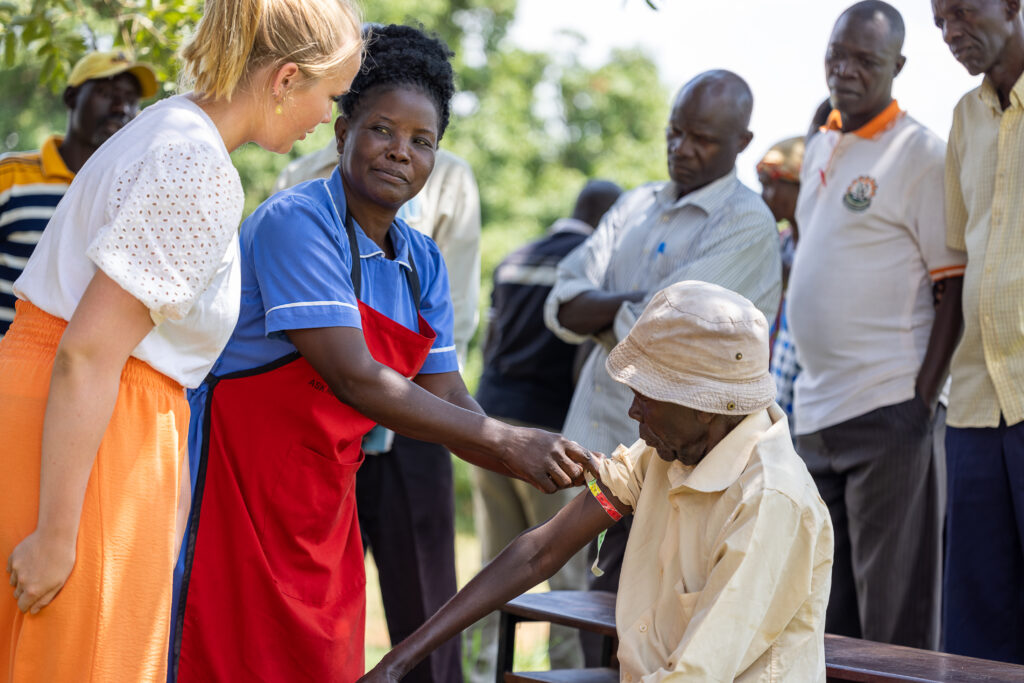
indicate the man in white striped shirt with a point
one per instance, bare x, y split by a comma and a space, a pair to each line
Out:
702, 224
102, 96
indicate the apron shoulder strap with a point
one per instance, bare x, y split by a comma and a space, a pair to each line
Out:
357, 267
411, 275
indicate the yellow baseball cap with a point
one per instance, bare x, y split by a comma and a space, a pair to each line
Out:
107, 64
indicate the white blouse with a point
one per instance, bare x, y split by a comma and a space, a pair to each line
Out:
156, 208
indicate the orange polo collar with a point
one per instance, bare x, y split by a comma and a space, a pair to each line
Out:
53, 162
872, 128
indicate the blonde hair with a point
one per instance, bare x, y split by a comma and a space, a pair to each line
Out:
237, 38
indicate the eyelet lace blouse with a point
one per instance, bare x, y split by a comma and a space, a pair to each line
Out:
156, 208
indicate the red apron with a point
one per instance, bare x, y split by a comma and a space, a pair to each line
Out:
274, 584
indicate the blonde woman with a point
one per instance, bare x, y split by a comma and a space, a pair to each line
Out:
129, 297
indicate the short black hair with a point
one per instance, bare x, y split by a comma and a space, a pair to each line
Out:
867, 9
403, 55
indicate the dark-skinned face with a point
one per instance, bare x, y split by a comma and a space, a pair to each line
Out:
101, 107
675, 431
387, 145
860, 64
702, 142
780, 196
976, 31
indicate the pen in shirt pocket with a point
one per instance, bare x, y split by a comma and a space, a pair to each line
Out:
659, 251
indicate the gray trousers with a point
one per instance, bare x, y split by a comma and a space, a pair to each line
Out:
883, 486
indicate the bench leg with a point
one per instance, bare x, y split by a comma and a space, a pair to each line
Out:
607, 649
506, 645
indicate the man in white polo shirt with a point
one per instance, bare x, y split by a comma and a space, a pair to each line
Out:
873, 344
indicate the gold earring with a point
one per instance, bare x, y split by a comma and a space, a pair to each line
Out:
278, 110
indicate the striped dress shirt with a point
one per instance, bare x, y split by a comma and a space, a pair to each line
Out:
31, 185
985, 217
722, 233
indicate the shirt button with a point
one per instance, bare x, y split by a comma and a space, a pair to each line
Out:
664, 219
594, 425
643, 628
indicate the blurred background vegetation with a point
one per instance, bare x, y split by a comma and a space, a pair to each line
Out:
534, 125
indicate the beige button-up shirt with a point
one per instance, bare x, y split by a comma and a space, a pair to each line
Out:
985, 217
728, 567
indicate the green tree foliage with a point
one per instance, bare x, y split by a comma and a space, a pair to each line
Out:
534, 126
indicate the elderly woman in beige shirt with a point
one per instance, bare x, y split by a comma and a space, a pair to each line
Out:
727, 571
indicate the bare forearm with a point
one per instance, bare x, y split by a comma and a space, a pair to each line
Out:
80, 403
407, 408
594, 310
531, 558
486, 592
445, 414
942, 341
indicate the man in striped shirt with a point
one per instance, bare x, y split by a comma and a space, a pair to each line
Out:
703, 224
101, 97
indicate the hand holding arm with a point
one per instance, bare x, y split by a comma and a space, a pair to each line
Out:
339, 354
83, 392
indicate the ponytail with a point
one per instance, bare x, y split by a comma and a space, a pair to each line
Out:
236, 38
217, 56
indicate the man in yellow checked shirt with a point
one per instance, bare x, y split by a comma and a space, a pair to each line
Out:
728, 567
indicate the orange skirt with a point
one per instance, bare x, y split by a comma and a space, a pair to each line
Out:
111, 620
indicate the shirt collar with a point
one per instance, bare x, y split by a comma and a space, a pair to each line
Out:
367, 247
873, 128
987, 93
573, 225
53, 162
722, 466
710, 198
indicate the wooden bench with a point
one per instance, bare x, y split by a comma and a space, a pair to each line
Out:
846, 659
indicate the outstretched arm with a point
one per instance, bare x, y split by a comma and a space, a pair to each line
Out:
442, 413
531, 558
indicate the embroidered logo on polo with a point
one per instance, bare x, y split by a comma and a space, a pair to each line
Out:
860, 193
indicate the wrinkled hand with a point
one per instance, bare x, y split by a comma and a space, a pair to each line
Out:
548, 461
39, 566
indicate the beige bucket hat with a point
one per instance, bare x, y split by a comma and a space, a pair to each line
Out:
701, 346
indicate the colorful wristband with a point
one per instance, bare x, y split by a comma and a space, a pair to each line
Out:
603, 500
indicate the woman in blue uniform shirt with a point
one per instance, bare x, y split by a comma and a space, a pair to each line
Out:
345, 321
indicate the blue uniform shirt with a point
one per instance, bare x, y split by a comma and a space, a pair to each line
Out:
296, 274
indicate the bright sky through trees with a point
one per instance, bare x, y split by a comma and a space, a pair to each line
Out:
777, 45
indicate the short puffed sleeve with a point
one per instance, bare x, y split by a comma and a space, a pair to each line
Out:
624, 471
170, 218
